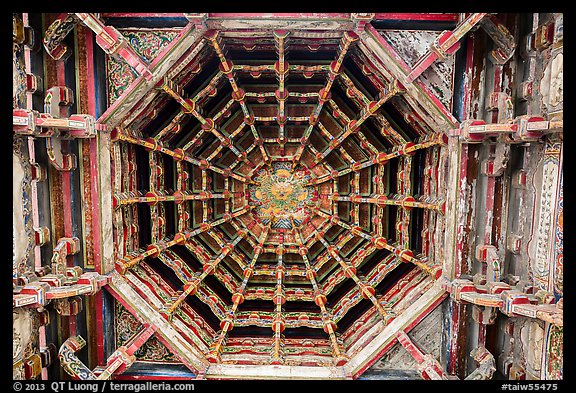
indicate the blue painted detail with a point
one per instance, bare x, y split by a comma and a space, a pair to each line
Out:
459, 78
99, 80
108, 323
159, 370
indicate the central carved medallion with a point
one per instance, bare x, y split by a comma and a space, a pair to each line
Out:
280, 196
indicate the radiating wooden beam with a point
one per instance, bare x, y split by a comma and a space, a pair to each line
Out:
354, 125
207, 124
239, 95
178, 197
128, 262
382, 158
324, 95
366, 290
191, 286
381, 200
279, 323
238, 298
281, 68
320, 300
403, 254
177, 154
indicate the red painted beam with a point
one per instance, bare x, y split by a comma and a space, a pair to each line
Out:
66, 189
161, 338
410, 326
94, 194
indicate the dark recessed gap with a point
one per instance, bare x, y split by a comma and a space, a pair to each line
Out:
299, 78
391, 211
195, 179
205, 76
371, 261
344, 184
169, 167
143, 171
217, 184
366, 182
332, 233
270, 131
317, 141
339, 291
219, 207
353, 314
330, 123
267, 258
180, 138
204, 310
344, 103
229, 265
245, 140
334, 159
301, 306
397, 121
207, 140
392, 170
168, 111
294, 131
143, 185
241, 56
144, 225
372, 132
417, 172
212, 105
257, 305
352, 146
170, 217
416, 223
352, 246
293, 258
207, 242
314, 250
394, 276
195, 208
186, 255
214, 284
361, 82
326, 270
304, 332
165, 272
250, 331
295, 282
306, 56
246, 248
228, 230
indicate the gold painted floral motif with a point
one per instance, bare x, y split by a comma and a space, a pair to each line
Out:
281, 196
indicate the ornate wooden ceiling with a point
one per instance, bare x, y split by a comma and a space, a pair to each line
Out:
277, 187
287, 195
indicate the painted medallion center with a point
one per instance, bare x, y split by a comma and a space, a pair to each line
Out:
281, 196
